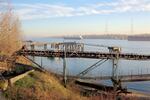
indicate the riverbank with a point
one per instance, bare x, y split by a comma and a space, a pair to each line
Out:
46, 86
43, 85
40, 86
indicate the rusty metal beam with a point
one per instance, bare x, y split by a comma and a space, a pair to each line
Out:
85, 54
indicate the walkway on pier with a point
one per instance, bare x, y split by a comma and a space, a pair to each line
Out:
84, 54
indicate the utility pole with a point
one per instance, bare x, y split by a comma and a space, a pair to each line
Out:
41, 62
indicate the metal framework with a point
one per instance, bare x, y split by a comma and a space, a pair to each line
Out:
64, 69
100, 62
84, 54
76, 50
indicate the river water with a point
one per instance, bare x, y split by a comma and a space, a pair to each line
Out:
126, 67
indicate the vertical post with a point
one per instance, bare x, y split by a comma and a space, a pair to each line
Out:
33, 48
64, 68
115, 78
41, 62
131, 73
45, 46
141, 71
33, 58
115, 73
82, 47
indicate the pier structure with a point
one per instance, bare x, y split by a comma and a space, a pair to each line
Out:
76, 50
84, 54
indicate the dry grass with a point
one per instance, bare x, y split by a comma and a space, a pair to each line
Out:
40, 86
23, 60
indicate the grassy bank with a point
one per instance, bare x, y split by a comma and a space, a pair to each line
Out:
40, 86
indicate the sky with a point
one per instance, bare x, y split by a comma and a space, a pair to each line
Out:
74, 17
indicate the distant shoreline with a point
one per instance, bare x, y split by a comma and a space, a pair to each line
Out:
138, 38
142, 37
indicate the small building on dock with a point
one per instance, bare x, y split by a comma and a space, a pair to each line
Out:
70, 44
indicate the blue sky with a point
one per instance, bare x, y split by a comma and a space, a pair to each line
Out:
72, 17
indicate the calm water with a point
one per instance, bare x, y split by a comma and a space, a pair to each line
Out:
76, 65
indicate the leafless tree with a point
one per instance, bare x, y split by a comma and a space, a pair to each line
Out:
10, 32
